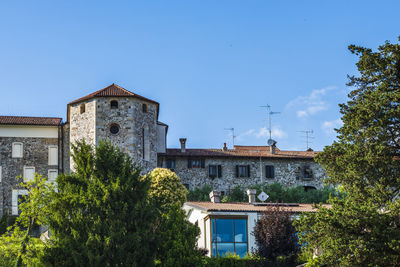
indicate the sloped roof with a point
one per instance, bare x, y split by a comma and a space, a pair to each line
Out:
112, 90
247, 207
22, 120
242, 151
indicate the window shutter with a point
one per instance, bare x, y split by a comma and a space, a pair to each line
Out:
219, 171
248, 170
237, 170
189, 163
202, 163
272, 172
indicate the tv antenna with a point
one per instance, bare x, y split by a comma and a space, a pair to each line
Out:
270, 113
307, 136
233, 135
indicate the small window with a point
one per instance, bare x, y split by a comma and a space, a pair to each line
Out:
114, 128
144, 108
17, 150
269, 171
52, 175
114, 104
29, 174
53, 155
307, 172
171, 164
242, 171
83, 108
186, 185
214, 171
196, 163
17, 197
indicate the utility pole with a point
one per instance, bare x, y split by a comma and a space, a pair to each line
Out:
269, 114
233, 135
308, 137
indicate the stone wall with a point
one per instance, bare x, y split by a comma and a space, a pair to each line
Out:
35, 154
132, 123
82, 125
66, 157
288, 172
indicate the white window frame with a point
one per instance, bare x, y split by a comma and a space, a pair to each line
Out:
48, 175
14, 154
51, 161
26, 178
14, 199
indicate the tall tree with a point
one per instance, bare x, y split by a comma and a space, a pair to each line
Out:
101, 214
363, 229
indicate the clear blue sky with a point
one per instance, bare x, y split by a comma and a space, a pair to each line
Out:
210, 64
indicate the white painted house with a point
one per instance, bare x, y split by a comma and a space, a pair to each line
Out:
228, 227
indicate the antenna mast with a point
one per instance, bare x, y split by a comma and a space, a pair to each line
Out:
308, 137
269, 113
233, 135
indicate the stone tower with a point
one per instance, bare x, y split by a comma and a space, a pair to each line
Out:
128, 120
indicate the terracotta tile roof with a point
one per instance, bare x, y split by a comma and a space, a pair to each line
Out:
112, 90
243, 151
246, 207
21, 120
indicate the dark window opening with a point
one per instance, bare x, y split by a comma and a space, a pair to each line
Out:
242, 171
114, 128
186, 185
114, 104
83, 108
307, 172
308, 188
171, 164
214, 171
269, 171
144, 108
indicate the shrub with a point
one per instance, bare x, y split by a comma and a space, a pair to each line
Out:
199, 193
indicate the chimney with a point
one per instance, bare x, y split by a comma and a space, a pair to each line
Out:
225, 148
272, 147
252, 195
183, 144
215, 196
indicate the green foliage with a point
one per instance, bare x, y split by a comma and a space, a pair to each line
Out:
101, 213
275, 235
176, 237
18, 244
5, 222
199, 193
363, 229
166, 189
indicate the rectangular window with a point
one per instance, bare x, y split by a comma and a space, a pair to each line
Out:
17, 150
196, 163
171, 164
16, 198
214, 171
29, 173
229, 236
53, 155
269, 171
242, 170
307, 173
52, 175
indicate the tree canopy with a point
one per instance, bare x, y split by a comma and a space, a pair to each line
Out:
363, 228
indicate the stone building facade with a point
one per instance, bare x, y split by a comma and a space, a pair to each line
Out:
130, 122
243, 166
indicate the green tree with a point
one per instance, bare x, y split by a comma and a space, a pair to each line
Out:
177, 237
20, 243
101, 215
363, 229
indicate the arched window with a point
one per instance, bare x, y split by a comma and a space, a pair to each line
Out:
82, 108
114, 104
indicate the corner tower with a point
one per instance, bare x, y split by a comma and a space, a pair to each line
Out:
128, 120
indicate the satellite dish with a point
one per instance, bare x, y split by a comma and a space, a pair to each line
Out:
271, 142
263, 196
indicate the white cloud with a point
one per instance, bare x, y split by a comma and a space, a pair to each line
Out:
311, 104
329, 126
241, 136
276, 133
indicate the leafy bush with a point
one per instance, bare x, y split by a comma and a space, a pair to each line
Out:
275, 235
199, 193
